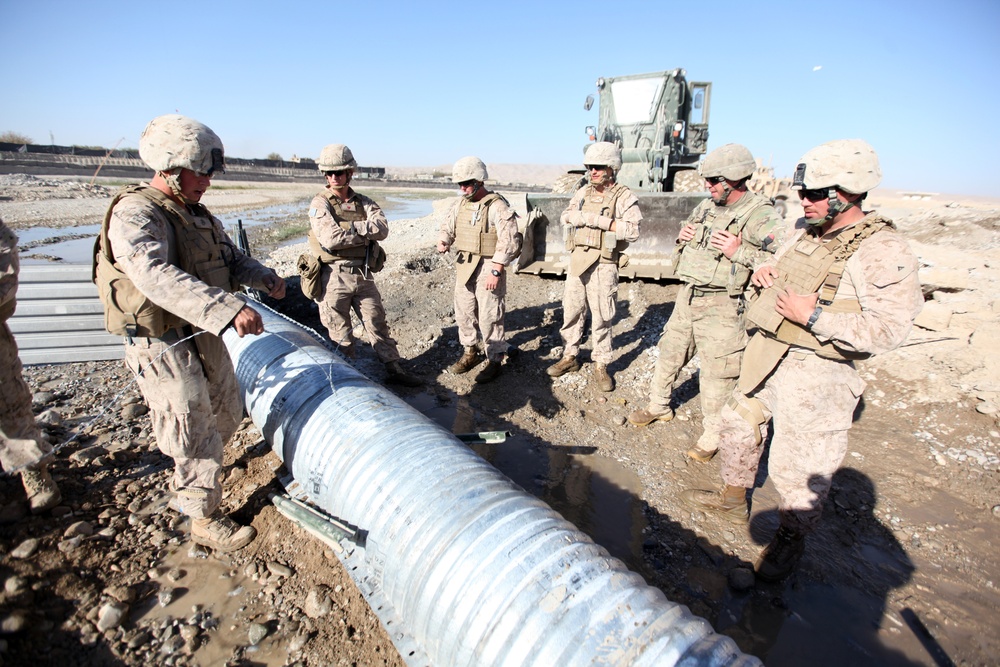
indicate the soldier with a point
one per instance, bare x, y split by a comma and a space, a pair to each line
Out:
165, 271
21, 442
483, 230
718, 247
344, 230
844, 286
603, 218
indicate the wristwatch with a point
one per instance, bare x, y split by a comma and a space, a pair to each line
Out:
815, 316
495, 272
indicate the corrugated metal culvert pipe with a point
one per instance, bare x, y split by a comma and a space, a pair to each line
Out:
479, 571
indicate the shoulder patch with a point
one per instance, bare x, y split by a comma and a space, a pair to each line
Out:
313, 212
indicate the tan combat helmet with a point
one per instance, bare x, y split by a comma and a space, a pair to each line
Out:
733, 162
336, 157
469, 168
603, 154
173, 141
850, 165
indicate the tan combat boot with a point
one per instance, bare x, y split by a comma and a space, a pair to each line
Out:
731, 504
780, 557
394, 374
489, 373
701, 455
41, 489
221, 533
469, 360
647, 416
604, 380
563, 366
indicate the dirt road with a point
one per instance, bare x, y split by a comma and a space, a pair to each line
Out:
903, 570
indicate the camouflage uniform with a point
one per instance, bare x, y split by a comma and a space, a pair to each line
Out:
479, 312
21, 441
809, 396
191, 389
708, 312
595, 286
347, 282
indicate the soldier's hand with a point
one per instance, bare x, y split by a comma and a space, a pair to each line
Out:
248, 321
442, 246
796, 307
275, 286
686, 234
764, 276
725, 242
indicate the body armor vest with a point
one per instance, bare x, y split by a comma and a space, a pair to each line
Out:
472, 230
808, 266
701, 265
589, 245
197, 246
345, 217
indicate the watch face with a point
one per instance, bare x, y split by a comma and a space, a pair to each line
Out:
495, 272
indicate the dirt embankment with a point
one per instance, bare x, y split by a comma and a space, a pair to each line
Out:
905, 564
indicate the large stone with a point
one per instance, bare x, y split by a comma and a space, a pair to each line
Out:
934, 316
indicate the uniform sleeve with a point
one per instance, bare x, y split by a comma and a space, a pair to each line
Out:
447, 230
9, 265
627, 218
761, 237
375, 226
883, 273
139, 241
504, 220
571, 214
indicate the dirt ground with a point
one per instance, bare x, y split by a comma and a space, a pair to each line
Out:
903, 570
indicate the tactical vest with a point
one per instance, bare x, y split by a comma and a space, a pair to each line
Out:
701, 265
198, 247
345, 217
808, 266
472, 230
589, 245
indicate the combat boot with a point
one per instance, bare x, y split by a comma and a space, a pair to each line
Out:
780, 557
469, 360
563, 366
41, 489
394, 374
604, 380
489, 373
701, 455
221, 533
731, 504
647, 416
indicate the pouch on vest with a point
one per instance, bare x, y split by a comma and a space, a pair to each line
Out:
309, 276
376, 257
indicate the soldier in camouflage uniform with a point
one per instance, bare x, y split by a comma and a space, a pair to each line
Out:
21, 442
843, 287
344, 230
482, 228
719, 245
602, 218
165, 270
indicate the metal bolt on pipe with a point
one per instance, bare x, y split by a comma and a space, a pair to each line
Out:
479, 571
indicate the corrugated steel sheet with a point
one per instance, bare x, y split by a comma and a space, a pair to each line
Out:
59, 318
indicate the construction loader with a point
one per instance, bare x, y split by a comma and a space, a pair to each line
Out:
660, 121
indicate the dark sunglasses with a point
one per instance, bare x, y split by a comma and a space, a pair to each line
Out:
338, 172
813, 195
715, 180
467, 184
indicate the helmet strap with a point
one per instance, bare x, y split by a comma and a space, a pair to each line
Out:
174, 182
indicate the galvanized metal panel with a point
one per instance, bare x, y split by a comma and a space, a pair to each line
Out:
480, 572
59, 317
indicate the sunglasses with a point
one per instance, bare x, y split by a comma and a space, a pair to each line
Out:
467, 184
715, 180
338, 172
814, 195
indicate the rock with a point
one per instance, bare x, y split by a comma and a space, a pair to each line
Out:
318, 603
134, 411
70, 545
279, 570
41, 398
110, 616
172, 645
83, 528
140, 639
14, 621
165, 596
125, 594
934, 316
996, 511
49, 418
26, 549
256, 633
15, 585
741, 579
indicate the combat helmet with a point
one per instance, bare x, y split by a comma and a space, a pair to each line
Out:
850, 165
468, 168
734, 162
603, 154
174, 141
336, 157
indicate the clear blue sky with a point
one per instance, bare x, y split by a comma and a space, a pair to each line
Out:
423, 83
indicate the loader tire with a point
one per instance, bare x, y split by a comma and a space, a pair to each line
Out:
688, 180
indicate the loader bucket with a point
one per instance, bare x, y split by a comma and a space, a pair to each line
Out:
544, 249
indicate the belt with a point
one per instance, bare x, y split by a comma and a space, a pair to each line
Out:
347, 268
706, 291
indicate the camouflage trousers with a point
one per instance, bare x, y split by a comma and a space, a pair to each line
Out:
479, 312
810, 403
596, 289
192, 416
711, 324
21, 441
344, 292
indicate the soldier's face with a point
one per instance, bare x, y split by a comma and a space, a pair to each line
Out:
338, 180
599, 175
193, 185
815, 204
